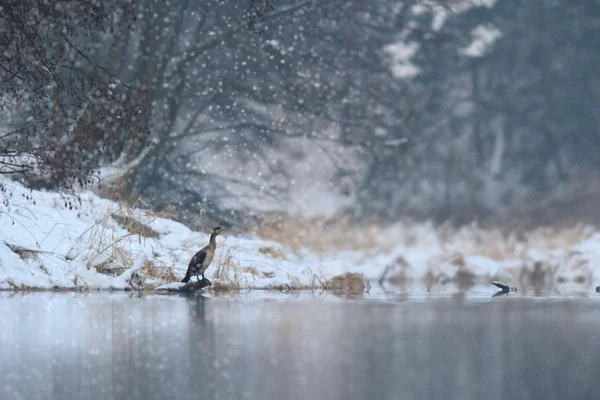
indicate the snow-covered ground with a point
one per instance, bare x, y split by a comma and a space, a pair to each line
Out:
47, 241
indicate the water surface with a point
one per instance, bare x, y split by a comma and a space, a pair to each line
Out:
120, 346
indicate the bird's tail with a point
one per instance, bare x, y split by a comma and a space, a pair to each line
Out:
187, 278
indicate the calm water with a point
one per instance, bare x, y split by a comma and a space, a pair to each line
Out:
112, 346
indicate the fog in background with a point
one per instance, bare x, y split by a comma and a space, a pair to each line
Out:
443, 110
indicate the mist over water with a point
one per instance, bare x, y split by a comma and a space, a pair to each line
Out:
103, 346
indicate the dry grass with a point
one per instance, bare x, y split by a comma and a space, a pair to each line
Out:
251, 270
225, 287
102, 241
317, 234
494, 244
159, 214
126, 217
122, 257
22, 252
465, 278
349, 283
553, 238
341, 234
162, 272
228, 268
135, 227
23, 287
400, 276
109, 268
118, 262
272, 252
460, 274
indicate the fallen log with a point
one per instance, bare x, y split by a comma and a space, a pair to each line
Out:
504, 286
191, 286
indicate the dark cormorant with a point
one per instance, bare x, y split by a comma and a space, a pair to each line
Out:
201, 260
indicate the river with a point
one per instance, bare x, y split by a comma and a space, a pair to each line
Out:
257, 346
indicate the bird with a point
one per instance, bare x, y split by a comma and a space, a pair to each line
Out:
201, 260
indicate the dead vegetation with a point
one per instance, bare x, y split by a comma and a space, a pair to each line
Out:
499, 246
349, 283
102, 241
465, 278
316, 234
272, 252
328, 235
118, 262
225, 287
22, 252
460, 274
230, 274
135, 227
129, 220
22, 287
541, 275
396, 272
162, 273
251, 270
160, 214
228, 268
109, 268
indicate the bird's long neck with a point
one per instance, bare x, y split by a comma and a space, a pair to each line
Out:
213, 240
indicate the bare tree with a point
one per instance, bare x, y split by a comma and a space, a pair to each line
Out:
66, 112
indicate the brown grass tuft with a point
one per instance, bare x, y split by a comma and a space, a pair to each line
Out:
118, 262
317, 234
397, 271
458, 260
224, 287
540, 276
252, 270
23, 252
228, 268
465, 278
348, 283
401, 276
272, 252
109, 268
160, 214
135, 227
163, 273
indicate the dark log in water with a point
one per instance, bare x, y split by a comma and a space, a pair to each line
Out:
192, 286
501, 285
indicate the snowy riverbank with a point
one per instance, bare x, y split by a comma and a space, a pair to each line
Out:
47, 242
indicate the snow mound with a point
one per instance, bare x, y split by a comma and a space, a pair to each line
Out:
48, 241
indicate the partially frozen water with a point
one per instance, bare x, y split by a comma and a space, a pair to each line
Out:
116, 346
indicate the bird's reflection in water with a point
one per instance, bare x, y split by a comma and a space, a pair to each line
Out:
200, 355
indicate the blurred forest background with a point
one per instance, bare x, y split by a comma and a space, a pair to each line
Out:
227, 110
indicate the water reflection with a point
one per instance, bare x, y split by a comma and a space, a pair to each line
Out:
101, 346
